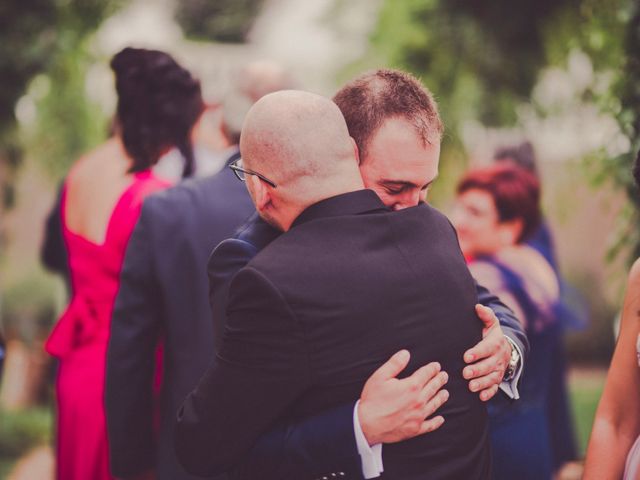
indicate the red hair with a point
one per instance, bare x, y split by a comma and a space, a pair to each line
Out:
515, 192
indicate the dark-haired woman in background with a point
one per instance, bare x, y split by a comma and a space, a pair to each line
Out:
158, 103
497, 210
614, 446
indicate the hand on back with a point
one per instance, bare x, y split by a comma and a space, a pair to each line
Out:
392, 409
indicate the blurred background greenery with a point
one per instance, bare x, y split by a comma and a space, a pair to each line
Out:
564, 74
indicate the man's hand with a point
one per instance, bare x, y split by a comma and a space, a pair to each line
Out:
488, 360
392, 410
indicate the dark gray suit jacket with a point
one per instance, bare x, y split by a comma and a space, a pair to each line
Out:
163, 295
317, 311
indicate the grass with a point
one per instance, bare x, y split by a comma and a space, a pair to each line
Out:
20, 432
585, 388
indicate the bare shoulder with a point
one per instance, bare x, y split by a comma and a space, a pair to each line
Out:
634, 274
486, 274
106, 161
533, 268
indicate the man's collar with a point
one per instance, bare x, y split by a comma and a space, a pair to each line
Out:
352, 203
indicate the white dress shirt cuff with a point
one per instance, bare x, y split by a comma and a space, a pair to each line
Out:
510, 388
371, 456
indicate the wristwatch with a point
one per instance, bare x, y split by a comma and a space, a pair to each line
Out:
514, 362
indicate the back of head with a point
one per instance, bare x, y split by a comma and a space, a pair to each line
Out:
158, 103
368, 100
300, 141
522, 155
515, 192
250, 83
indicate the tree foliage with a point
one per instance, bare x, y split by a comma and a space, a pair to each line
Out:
482, 60
221, 21
47, 38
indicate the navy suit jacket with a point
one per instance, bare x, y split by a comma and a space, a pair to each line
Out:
163, 294
323, 442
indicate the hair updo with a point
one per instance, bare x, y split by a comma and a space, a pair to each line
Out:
158, 103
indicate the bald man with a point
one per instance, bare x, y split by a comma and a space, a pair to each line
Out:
314, 313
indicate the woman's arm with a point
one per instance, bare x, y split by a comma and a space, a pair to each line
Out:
488, 276
617, 421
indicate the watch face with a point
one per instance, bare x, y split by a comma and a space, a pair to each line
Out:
514, 360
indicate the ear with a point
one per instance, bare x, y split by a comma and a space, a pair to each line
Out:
356, 152
261, 193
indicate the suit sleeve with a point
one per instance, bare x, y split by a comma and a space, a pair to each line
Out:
509, 323
260, 370
135, 326
306, 448
511, 327
227, 259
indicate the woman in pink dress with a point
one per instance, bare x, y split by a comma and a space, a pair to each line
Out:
614, 447
158, 103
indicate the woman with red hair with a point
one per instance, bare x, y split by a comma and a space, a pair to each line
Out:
497, 209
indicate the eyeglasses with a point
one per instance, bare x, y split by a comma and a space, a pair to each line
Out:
242, 173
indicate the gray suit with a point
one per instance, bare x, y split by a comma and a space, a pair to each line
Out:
163, 295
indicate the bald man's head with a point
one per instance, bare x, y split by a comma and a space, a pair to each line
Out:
292, 134
300, 141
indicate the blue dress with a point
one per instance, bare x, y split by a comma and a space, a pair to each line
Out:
574, 316
519, 430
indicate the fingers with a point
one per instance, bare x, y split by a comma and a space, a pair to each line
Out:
432, 387
488, 394
421, 377
494, 363
486, 315
434, 403
485, 348
431, 425
491, 344
392, 367
483, 383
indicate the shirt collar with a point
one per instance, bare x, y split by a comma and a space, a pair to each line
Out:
352, 203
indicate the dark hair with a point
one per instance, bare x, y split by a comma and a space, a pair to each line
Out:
515, 192
522, 155
636, 170
158, 103
370, 99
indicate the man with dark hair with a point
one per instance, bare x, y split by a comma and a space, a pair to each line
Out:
395, 121
369, 100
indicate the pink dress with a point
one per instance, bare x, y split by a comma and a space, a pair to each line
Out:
79, 339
